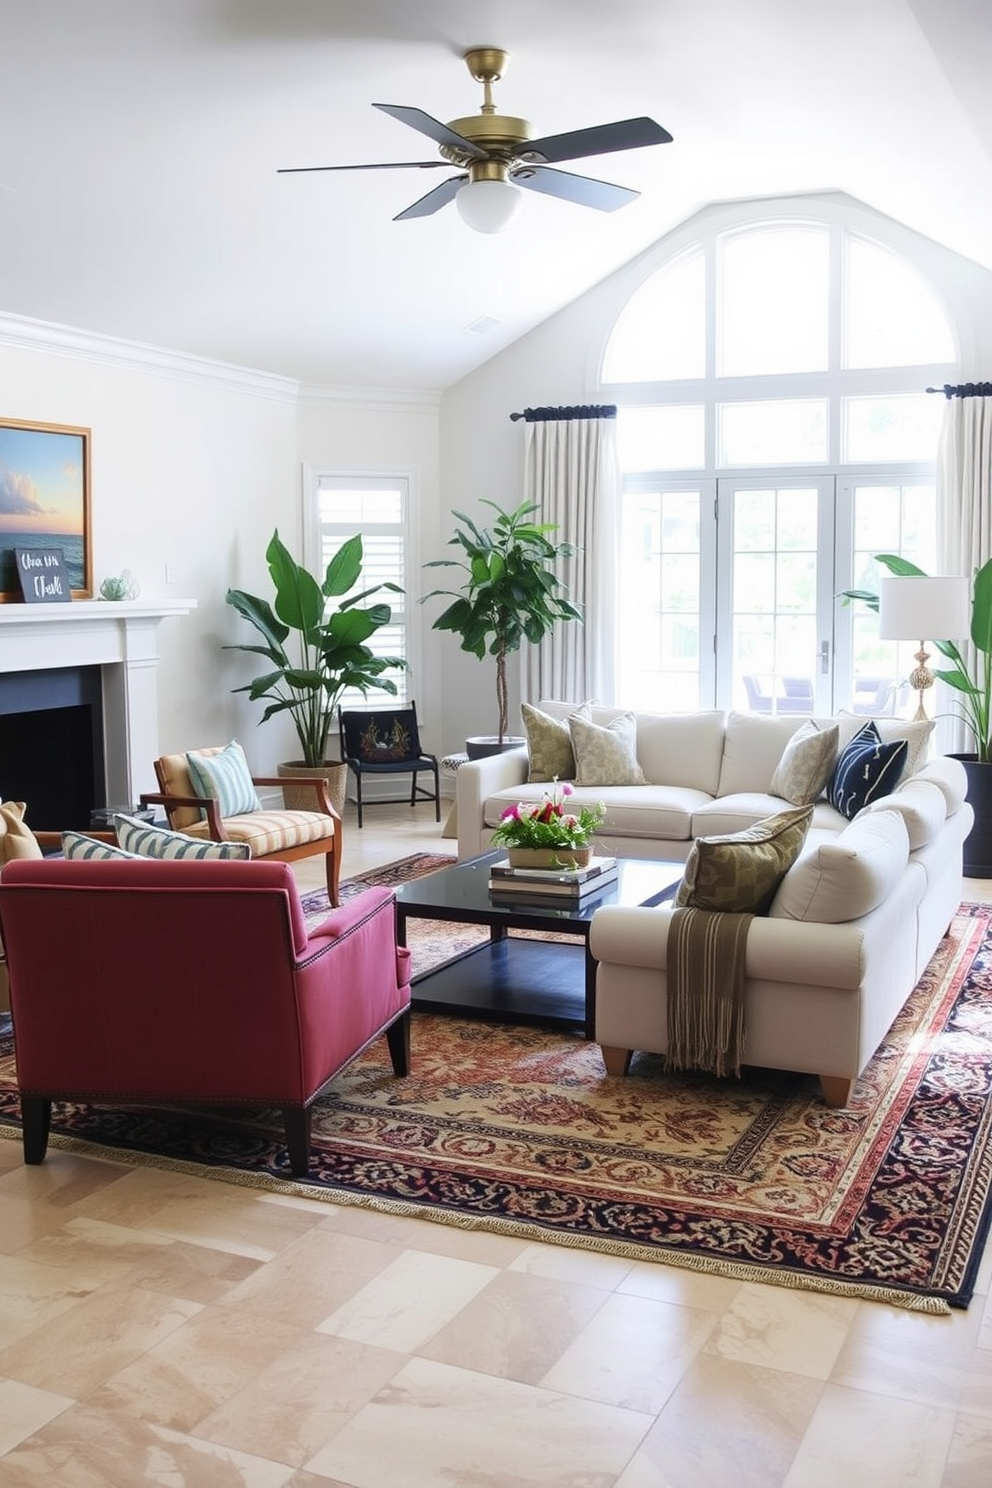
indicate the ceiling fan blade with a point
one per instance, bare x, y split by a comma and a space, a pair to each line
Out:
295, 170
433, 128
434, 200
584, 190
599, 139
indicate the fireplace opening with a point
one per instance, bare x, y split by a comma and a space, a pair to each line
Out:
51, 745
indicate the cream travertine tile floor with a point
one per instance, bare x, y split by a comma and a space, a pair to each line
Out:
158, 1328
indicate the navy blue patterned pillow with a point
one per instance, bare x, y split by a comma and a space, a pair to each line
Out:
865, 770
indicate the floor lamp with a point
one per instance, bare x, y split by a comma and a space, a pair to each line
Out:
921, 608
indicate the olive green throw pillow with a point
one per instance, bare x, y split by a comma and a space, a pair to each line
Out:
807, 763
549, 743
739, 872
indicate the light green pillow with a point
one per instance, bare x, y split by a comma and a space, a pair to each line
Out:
225, 776
739, 872
549, 743
807, 763
606, 755
143, 841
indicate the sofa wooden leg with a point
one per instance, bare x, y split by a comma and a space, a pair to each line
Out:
836, 1090
398, 1038
617, 1061
36, 1119
296, 1121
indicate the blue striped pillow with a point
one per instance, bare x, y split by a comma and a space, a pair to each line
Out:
78, 845
866, 770
142, 841
226, 777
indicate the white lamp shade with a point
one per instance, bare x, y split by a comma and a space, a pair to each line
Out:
488, 206
924, 608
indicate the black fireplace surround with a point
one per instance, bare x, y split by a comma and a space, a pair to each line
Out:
51, 744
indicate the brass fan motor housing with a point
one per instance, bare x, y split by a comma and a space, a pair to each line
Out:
497, 134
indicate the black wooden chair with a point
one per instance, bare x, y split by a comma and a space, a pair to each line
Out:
386, 741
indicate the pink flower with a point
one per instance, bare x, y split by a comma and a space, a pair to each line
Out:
566, 789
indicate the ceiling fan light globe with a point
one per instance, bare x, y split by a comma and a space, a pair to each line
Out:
488, 206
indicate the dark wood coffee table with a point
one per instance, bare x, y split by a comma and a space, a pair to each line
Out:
513, 979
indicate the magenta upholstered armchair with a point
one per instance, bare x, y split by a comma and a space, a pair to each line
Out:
188, 981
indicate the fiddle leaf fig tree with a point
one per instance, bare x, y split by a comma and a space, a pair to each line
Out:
328, 651
975, 688
510, 593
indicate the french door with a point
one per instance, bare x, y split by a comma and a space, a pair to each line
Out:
728, 593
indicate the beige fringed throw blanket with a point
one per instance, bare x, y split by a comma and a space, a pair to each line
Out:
706, 990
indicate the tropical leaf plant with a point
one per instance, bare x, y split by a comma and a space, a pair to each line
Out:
975, 686
510, 593
328, 643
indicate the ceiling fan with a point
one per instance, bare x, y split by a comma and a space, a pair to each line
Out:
496, 155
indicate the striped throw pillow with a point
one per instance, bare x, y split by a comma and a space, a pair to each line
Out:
866, 770
142, 841
78, 845
225, 776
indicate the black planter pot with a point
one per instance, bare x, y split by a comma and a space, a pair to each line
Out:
978, 843
482, 745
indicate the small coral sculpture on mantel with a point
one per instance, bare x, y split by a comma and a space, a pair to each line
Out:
545, 834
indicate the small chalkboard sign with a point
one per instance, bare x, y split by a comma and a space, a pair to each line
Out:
43, 576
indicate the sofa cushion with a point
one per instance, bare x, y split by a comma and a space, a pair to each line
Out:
549, 743
950, 778
16, 838
684, 749
848, 876
606, 755
140, 839
807, 763
739, 873
656, 813
224, 775
866, 769
921, 805
752, 748
916, 733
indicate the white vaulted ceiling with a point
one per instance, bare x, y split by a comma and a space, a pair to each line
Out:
140, 139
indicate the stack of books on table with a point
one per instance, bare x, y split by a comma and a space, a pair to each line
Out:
550, 888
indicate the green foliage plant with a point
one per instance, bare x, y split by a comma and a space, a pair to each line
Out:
975, 687
510, 594
328, 651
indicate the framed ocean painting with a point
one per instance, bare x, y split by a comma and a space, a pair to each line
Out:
45, 501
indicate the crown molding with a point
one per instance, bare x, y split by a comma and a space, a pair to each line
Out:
378, 400
25, 334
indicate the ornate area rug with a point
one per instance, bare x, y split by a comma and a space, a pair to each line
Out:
518, 1130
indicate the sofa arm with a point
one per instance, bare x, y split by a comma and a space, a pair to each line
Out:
475, 783
777, 950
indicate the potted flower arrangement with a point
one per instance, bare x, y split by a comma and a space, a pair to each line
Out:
546, 834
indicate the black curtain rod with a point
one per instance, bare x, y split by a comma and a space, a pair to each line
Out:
964, 390
552, 415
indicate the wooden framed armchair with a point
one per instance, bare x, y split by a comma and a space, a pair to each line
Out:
256, 1008
280, 836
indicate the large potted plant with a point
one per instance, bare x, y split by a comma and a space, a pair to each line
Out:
328, 650
510, 594
975, 689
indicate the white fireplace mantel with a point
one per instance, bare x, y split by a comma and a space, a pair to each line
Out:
121, 637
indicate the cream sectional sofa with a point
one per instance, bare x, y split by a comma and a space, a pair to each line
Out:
851, 928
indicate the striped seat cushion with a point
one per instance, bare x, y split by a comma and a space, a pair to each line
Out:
272, 831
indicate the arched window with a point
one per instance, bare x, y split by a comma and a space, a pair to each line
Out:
774, 434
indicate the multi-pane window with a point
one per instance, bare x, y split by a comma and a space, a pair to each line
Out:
774, 434
375, 508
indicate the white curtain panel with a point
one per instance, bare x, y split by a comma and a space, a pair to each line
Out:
964, 524
572, 474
